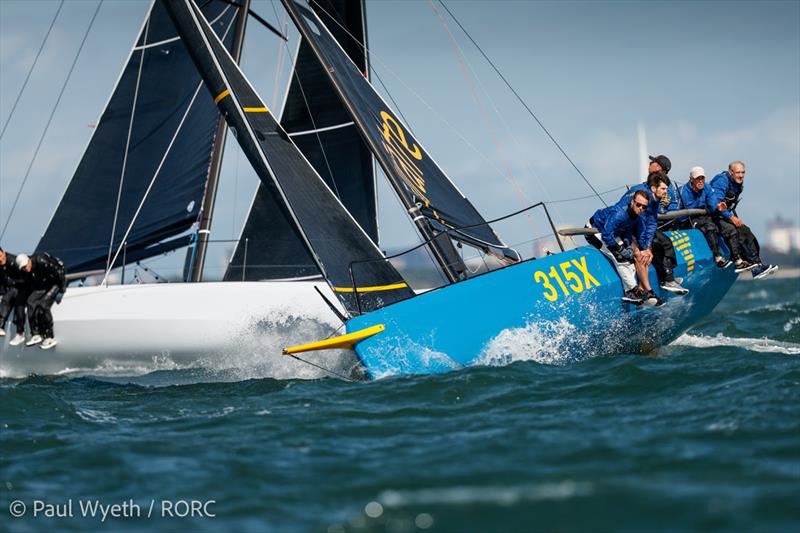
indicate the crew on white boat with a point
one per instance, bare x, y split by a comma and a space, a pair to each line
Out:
45, 278
619, 229
12, 297
727, 188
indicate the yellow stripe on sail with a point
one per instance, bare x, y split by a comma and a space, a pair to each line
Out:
372, 289
342, 341
255, 110
221, 95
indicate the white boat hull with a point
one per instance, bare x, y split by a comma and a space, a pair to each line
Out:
134, 329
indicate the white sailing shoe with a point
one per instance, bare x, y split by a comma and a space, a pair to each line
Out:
36, 339
2, 332
48, 343
16, 341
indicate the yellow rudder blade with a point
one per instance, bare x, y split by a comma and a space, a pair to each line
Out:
342, 341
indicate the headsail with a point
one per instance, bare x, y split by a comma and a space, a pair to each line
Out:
403, 159
330, 233
157, 117
319, 125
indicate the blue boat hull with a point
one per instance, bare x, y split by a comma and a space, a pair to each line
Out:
568, 304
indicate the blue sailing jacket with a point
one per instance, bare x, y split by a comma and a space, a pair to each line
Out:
648, 220
724, 188
615, 221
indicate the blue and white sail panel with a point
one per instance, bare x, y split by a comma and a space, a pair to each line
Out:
158, 120
319, 125
399, 153
330, 233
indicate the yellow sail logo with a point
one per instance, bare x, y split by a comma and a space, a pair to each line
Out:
404, 157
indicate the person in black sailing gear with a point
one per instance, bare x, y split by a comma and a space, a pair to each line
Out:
725, 197
12, 297
695, 195
46, 280
619, 227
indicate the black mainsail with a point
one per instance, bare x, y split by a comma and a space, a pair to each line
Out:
422, 186
150, 153
320, 126
343, 252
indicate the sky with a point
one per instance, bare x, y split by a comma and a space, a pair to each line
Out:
707, 82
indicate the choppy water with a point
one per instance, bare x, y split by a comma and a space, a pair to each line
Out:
705, 435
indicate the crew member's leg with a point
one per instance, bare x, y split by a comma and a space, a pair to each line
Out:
731, 237
750, 249
706, 225
34, 316
664, 260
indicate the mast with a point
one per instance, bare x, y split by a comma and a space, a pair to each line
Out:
196, 255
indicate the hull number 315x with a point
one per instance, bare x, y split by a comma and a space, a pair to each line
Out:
571, 282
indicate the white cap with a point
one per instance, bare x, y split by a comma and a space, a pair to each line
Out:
696, 172
22, 260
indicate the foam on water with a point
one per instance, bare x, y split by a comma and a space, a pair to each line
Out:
542, 342
470, 495
763, 345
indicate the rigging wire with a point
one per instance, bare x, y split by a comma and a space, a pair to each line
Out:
49, 121
469, 72
525, 105
33, 66
331, 372
127, 147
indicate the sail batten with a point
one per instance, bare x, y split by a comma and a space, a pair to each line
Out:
330, 234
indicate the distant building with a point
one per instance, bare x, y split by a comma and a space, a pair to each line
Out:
783, 236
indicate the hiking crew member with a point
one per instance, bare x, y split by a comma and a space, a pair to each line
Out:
652, 251
695, 195
618, 227
46, 279
12, 296
725, 195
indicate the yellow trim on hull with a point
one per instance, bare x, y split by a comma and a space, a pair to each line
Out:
342, 341
372, 289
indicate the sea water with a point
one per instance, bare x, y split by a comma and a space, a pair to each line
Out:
704, 434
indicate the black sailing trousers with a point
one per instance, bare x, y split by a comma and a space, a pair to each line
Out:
39, 315
14, 299
664, 260
710, 231
741, 241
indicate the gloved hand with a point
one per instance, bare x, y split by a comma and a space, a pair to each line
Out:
59, 297
623, 254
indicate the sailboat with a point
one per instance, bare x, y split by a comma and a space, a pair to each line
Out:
392, 329
146, 185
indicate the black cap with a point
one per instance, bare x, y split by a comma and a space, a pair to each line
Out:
664, 161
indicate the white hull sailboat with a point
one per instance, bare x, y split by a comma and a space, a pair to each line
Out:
132, 329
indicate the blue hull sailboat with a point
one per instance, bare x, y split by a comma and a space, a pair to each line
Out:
574, 295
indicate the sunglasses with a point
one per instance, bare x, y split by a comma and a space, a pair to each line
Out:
640, 206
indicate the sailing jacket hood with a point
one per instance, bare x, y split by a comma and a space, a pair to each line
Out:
616, 222
724, 188
648, 220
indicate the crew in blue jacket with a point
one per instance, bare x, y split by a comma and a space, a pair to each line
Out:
656, 247
727, 188
620, 227
695, 195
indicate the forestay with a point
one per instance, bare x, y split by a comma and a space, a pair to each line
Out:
157, 117
330, 233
